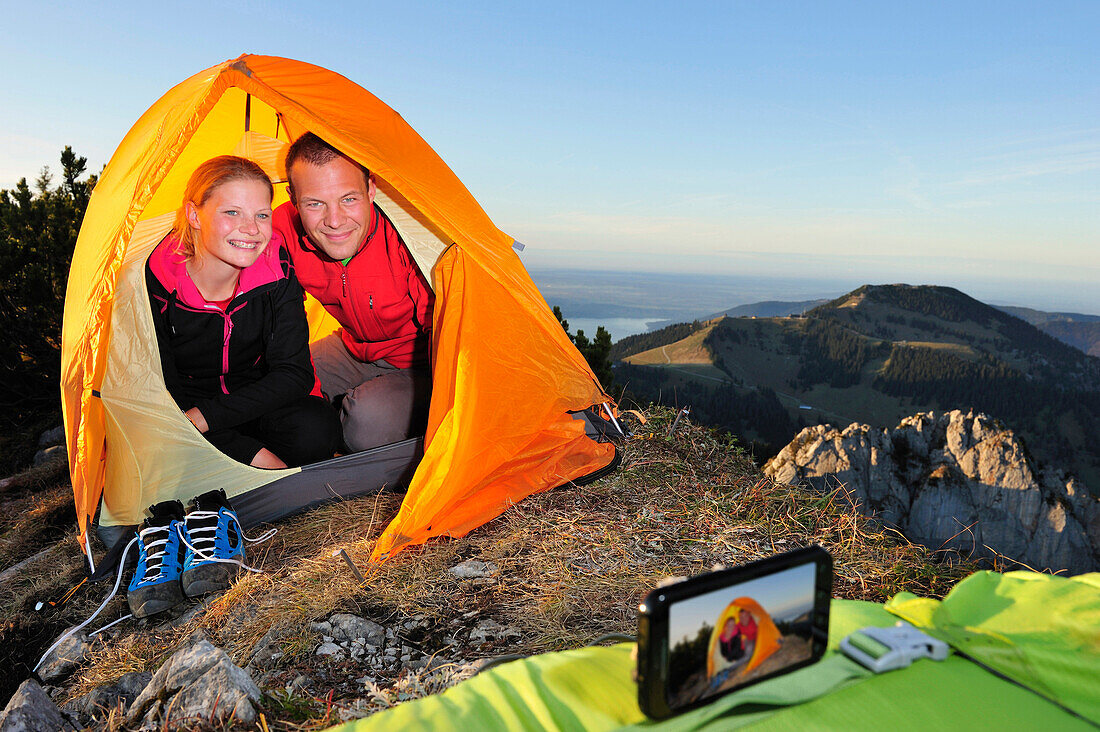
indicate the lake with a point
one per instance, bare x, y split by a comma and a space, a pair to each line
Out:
619, 328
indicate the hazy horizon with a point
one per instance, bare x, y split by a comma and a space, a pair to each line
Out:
625, 301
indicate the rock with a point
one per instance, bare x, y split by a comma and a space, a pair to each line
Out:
347, 627
357, 709
65, 659
31, 710
330, 649
183, 614
267, 650
472, 668
99, 702
473, 568
952, 481
197, 682
489, 629
55, 436
50, 454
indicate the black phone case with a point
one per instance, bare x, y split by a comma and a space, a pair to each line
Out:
653, 648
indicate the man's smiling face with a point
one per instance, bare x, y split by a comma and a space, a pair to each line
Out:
334, 201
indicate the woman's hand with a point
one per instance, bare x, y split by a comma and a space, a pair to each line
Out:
197, 419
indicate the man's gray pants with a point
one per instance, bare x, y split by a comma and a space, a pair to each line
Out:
382, 404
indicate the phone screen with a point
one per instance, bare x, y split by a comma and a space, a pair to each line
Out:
729, 637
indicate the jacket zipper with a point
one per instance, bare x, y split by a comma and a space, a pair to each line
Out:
227, 331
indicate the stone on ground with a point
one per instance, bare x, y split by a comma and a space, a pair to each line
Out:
197, 682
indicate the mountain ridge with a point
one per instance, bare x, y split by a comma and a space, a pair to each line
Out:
881, 352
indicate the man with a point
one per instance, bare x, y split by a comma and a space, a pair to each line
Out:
348, 255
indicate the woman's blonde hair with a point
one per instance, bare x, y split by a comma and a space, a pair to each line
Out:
202, 184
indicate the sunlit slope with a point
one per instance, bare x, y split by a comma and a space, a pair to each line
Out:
689, 350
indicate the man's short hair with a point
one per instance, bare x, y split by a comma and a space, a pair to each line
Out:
309, 148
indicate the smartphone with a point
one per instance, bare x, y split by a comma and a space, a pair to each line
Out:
706, 636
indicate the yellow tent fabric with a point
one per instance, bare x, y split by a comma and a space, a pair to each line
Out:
767, 635
505, 374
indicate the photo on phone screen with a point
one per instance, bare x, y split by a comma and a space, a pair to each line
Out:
729, 637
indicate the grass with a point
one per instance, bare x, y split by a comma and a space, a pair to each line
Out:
35, 506
572, 566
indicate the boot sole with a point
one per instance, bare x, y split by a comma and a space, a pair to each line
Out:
207, 578
153, 599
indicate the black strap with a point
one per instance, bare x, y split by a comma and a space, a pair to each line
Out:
108, 565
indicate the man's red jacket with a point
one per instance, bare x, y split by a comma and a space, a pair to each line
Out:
380, 296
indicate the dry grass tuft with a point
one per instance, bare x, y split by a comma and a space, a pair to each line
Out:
572, 564
35, 507
42, 476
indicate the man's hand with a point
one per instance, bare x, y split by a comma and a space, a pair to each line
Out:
197, 419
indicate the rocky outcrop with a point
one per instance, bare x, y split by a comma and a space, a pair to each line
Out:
65, 659
198, 682
32, 710
97, 705
51, 446
953, 481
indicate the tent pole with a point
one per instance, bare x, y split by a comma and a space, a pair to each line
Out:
88, 545
613, 420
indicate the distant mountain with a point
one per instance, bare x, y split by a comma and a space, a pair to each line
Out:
1077, 329
766, 309
883, 352
770, 309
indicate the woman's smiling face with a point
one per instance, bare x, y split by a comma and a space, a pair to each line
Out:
233, 226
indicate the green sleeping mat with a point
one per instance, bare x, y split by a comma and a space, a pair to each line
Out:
1025, 655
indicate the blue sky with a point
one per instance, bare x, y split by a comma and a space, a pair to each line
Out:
944, 143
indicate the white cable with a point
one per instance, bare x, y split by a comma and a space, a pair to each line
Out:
114, 590
127, 616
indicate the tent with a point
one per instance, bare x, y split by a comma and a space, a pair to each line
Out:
768, 636
515, 408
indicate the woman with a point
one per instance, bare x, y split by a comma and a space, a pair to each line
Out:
230, 323
729, 642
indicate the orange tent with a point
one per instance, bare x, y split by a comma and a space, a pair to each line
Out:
508, 383
768, 636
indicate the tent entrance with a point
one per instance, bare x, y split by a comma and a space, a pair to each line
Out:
155, 452
385, 468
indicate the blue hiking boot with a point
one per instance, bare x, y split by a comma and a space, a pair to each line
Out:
214, 543
156, 583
